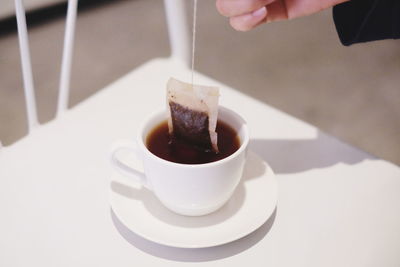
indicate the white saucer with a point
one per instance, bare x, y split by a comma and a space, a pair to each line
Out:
252, 204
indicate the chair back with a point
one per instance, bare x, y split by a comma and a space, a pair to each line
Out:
178, 38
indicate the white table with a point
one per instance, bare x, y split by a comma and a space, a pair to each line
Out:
337, 206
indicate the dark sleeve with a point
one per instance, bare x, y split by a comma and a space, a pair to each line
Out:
367, 20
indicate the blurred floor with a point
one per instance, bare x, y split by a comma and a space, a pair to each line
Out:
297, 66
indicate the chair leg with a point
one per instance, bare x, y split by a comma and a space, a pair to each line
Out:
65, 77
26, 66
178, 30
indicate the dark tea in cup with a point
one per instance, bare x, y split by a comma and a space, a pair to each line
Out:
178, 150
191, 189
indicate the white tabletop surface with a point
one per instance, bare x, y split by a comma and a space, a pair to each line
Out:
337, 206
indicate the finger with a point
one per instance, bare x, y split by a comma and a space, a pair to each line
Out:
282, 10
232, 8
277, 11
249, 21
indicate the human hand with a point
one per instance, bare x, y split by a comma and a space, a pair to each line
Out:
245, 15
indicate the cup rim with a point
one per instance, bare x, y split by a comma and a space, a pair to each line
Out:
243, 144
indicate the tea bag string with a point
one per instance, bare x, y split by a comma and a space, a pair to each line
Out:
194, 36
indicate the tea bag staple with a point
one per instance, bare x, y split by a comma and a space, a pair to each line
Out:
193, 113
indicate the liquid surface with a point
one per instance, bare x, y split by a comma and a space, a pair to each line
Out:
161, 144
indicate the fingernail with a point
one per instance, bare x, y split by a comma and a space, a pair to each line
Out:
260, 12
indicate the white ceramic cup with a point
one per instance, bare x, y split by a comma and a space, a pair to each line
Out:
187, 189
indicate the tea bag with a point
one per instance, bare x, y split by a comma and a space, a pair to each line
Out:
193, 112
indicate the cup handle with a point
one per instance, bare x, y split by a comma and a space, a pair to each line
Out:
138, 176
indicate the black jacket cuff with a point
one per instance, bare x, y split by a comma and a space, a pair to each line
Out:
367, 20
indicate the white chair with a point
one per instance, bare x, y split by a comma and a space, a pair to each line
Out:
337, 205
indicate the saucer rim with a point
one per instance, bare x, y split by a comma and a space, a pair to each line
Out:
239, 235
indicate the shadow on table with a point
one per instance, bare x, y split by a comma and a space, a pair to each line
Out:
194, 254
292, 156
